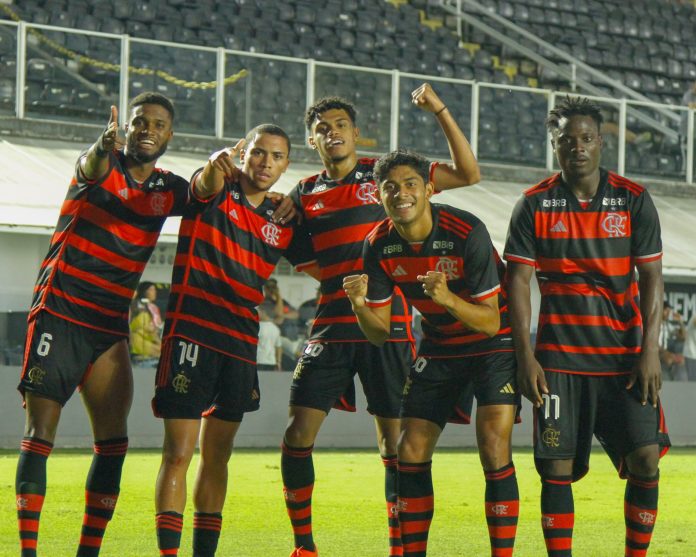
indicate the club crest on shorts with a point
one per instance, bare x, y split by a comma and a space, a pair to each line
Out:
551, 437
181, 383
36, 375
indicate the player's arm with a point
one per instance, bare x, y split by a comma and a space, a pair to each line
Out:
482, 316
375, 322
94, 164
530, 375
220, 166
464, 169
648, 372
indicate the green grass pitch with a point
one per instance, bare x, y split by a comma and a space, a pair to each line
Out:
349, 517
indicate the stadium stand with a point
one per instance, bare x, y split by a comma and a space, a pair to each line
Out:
654, 55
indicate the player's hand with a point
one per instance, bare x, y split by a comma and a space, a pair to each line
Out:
426, 99
435, 286
531, 380
648, 374
223, 160
110, 138
285, 210
355, 287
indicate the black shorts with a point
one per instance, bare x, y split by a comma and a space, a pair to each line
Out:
323, 378
441, 389
194, 381
58, 356
579, 406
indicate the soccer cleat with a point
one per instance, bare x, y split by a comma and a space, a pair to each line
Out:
302, 552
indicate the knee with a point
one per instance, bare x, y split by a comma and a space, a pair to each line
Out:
644, 461
176, 457
388, 443
297, 436
410, 449
494, 452
553, 469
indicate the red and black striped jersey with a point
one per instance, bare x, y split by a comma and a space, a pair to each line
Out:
105, 235
589, 319
227, 249
338, 215
458, 246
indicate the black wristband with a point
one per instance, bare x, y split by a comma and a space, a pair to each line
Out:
438, 112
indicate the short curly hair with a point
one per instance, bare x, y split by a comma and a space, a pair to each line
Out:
150, 97
573, 106
401, 157
328, 103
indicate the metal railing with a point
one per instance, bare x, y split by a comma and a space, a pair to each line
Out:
221, 93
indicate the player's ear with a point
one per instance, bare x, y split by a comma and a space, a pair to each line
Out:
242, 154
310, 141
429, 189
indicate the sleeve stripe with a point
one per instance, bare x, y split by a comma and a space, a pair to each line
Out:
378, 303
647, 258
520, 259
487, 293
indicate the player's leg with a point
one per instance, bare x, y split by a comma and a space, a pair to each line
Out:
107, 393
635, 437
383, 372
640, 498
388, 431
170, 490
562, 443
557, 506
216, 441
297, 467
495, 386
493, 434
42, 416
322, 376
415, 483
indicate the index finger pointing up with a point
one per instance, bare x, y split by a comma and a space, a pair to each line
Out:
114, 116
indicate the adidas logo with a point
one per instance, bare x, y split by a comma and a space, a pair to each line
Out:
233, 214
507, 389
123, 193
317, 206
399, 271
559, 227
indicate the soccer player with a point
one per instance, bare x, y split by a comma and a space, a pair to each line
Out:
114, 210
227, 249
443, 261
340, 206
596, 366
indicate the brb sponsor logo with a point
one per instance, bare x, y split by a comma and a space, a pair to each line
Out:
271, 233
367, 193
614, 225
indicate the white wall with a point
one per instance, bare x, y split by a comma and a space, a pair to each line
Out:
265, 427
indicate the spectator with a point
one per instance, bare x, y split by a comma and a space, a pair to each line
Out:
671, 339
690, 349
145, 325
269, 351
279, 310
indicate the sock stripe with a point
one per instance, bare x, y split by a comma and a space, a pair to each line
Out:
555, 521
559, 544
28, 525
29, 502
640, 516
297, 452
649, 484
500, 509
413, 505
501, 474
389, 461
36, 446
170, 522
298, 495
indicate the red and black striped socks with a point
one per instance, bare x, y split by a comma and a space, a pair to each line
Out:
169, 525
557, 515
30, 489
502, 509
640, 513
391, 496
297, 469
206, 533
101, 493
416, 505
